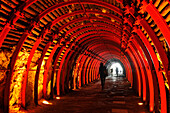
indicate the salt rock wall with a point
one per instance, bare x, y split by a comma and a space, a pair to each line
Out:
49, 80
31, 78
18, 77
5, 56
17, 80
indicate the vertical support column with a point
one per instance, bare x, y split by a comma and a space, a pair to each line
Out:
129, 70
86, 69
83, 69
142, 72
80, 69
72, 58
27, 70
156, 89
12, 64
137, 69
38, 72
54, 70
59, 71
47, 69
64, 72
149, 75
158, 73
157, 45
92, 70
97, 69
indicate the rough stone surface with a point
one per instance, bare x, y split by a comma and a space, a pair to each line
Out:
49, 80
17, 80
5, 56
31, 78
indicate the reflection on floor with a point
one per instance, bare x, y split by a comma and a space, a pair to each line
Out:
117, 97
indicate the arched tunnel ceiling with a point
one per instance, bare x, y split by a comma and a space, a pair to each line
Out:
41, 20
129, 30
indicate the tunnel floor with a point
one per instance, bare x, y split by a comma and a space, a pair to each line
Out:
117, 97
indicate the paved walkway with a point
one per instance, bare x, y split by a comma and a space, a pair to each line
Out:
117, 97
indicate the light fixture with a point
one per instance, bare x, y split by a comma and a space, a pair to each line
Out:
140, 103
58, 98
46, 102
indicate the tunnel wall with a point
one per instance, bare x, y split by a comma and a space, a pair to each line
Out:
50, 48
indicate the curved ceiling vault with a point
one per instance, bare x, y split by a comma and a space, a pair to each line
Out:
39, 38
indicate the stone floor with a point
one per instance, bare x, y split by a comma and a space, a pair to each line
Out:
117, 97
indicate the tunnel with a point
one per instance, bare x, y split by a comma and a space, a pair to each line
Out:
51, 47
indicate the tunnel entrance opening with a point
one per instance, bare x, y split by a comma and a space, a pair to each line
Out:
115, 68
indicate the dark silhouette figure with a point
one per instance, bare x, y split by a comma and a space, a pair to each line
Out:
117, 71
103, 74
111, 70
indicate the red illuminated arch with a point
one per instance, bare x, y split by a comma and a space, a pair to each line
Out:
75, 32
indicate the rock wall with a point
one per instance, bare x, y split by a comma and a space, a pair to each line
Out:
17, 80
40, 81
31, 78
18, 77
49, 80
5, 56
